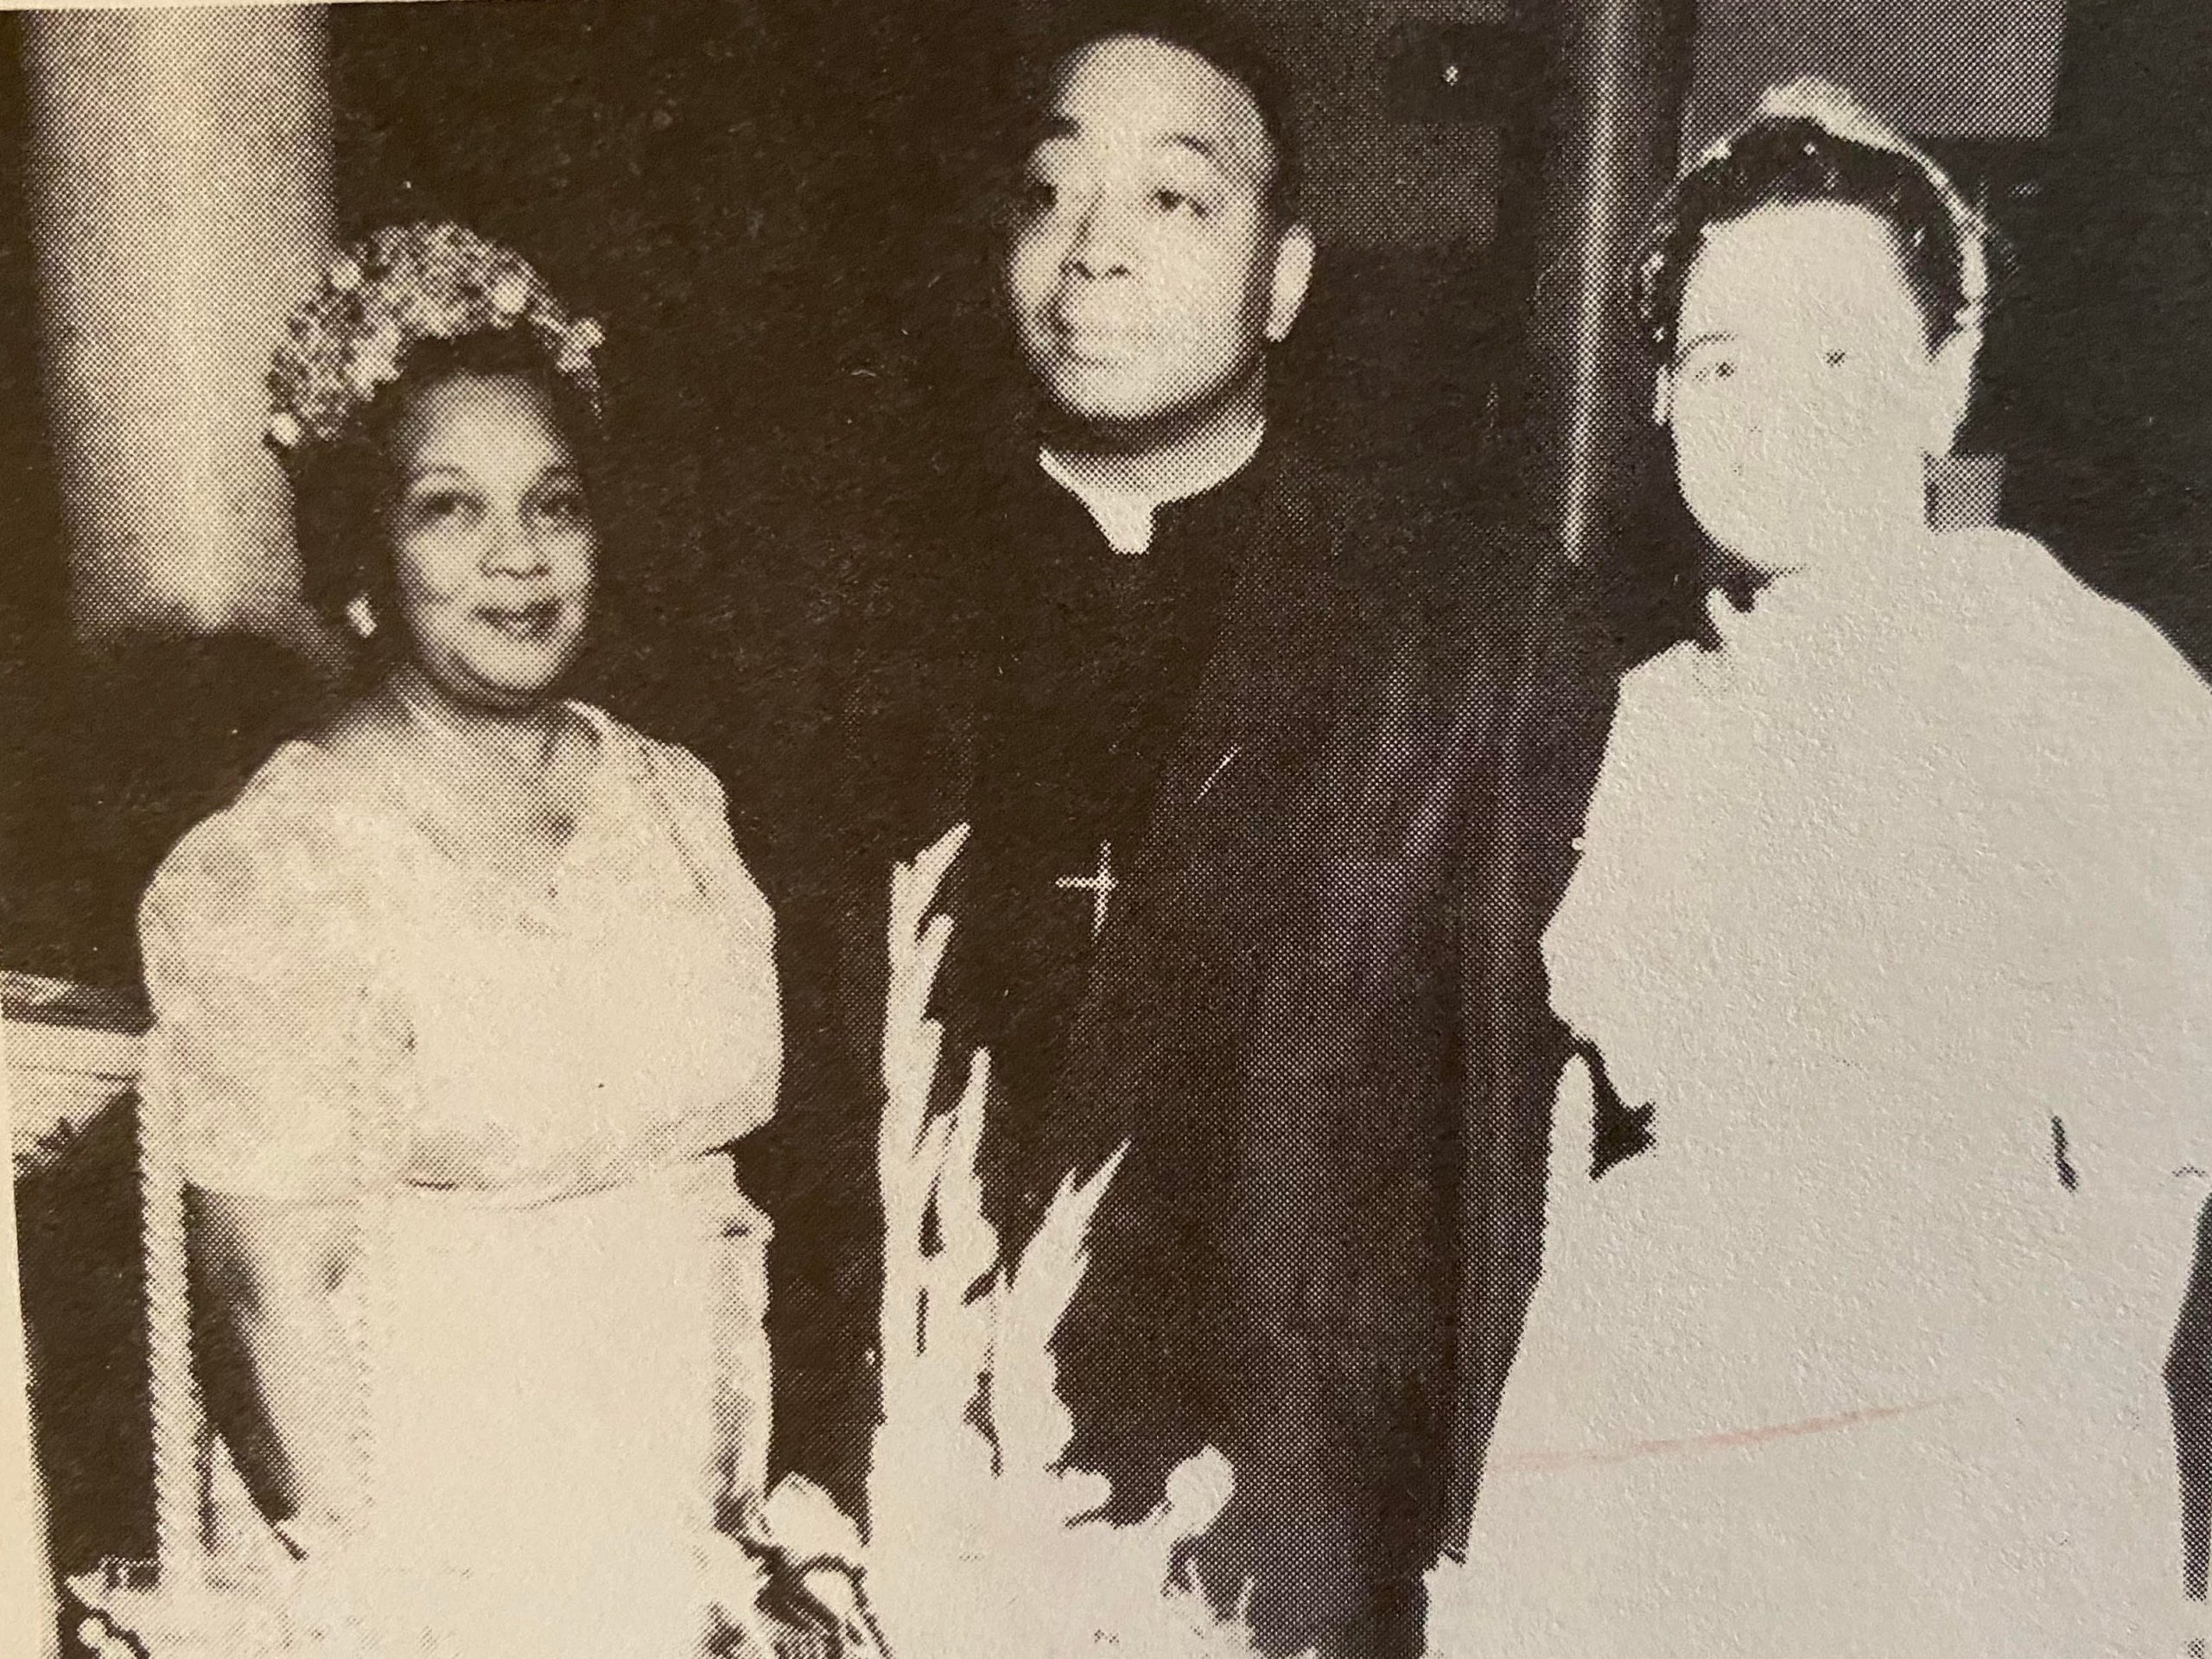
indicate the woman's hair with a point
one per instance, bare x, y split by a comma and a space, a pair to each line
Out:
402, 311
1811, 142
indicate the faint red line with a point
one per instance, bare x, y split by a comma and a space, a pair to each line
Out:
1727, 1440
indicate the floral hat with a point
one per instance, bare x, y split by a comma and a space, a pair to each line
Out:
403, 285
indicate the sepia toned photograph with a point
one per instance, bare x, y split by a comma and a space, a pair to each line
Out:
1030, 828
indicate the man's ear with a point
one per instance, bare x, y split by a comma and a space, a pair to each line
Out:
1662, 396
1951, 389
1293, 275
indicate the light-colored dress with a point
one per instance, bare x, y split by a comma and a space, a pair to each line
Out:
1894, 909
559, 1290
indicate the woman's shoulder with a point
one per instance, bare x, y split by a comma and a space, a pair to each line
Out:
289, 839
693, 799
690, 783
2088, 651
2042, 599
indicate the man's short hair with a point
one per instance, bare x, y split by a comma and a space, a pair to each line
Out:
1205, 31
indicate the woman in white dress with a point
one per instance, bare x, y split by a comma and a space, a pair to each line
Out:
457, 1009
1891, 906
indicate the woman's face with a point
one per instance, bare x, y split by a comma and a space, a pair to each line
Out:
493, 547
1803, 397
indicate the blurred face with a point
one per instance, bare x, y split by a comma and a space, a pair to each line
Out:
1146, 271
493, 543
1804, 398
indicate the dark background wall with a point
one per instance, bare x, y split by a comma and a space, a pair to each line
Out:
2101, 369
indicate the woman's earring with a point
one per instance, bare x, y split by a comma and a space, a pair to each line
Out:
360, 615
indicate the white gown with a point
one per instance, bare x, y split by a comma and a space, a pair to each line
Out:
1859, 1358
560, 1285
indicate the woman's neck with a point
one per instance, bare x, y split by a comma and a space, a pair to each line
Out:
521, 742
1883, 545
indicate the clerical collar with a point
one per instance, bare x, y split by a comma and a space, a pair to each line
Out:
1126, 518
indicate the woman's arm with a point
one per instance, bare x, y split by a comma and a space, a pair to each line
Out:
279, 1357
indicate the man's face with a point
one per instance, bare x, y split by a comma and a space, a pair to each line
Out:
1144, 269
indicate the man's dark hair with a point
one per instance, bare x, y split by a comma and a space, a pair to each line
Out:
1192, 26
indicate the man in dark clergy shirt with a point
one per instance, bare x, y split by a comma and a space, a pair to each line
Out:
1188, 690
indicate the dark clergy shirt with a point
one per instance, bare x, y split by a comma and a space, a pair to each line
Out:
1099, 657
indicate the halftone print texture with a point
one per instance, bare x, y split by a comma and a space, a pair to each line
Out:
1551, 1007
178, 183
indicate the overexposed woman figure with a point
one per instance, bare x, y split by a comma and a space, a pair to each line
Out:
457, 1008
1893, 908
